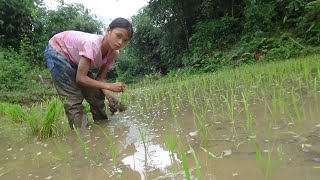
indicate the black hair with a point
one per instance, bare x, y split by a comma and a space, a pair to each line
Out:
122, 23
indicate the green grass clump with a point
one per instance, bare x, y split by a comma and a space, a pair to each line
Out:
43, 121
12, 112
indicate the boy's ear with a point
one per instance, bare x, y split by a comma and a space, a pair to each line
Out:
108, 30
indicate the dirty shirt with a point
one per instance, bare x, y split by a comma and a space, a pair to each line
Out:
74, 44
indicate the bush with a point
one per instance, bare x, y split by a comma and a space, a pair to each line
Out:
310, 24
215, 34
13, 71
20, 82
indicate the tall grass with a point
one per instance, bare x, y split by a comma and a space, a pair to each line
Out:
198, 167
13, 112
297, 109
249, 117
170, 141
54, 110
173, 110
267, 164
143, 138
82, 143
43, 121
184, 162
111, 143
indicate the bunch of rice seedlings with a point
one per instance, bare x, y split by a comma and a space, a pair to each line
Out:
34, 117
42, 122
54, 111
12, 112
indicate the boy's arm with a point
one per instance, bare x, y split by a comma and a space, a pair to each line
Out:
84, 80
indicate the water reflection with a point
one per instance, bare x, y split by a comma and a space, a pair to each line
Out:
150, 159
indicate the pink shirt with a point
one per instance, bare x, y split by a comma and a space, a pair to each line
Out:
74, 44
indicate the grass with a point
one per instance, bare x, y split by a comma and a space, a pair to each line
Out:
198, 167
13, 112
170, 141
111, 143
42, 119
184, 162
143, 137
249, 117
256, 99
82, 143
54, 110
297, 110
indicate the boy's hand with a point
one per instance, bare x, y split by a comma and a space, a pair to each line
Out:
117, 87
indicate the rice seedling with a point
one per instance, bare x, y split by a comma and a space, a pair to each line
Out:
184, 162
86, 106
269, 164
203, 129
230, 103
170, 141
198, 167
283, 104
249, 121
191, 100
173, 110
315, 87
111, 143
274, 110
34, 117
143, 139
259, 158
54, 110
231, 107
13, 112
42, 121
82, 143
297, 110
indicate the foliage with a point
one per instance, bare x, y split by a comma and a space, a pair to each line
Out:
310, 24
215, 34
16, 19
13, 112
71, 17
21, 82
26, 26
13, 71
43, 121
170, 35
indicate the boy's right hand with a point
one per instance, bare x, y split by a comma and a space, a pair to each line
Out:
117, 87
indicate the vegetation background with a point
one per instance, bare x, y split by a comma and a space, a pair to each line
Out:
172, 37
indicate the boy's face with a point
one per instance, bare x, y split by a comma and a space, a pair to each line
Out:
118, 38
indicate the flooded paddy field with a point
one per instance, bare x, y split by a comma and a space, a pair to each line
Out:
249, 123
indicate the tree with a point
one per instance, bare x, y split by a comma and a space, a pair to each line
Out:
71, 17
16, 17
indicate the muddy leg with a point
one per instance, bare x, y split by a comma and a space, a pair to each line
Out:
97, 106
96, 99
63, 75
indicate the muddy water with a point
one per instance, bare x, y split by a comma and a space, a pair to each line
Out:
232, 154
